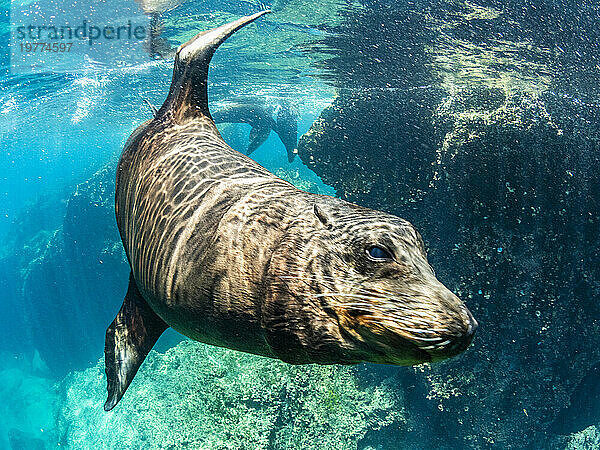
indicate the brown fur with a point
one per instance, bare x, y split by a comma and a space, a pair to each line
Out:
230, 255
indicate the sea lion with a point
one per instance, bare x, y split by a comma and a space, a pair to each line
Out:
228, 254
260, 117
286, 127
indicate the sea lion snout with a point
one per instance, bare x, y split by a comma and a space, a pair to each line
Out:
426, 324
455, 330
461, 342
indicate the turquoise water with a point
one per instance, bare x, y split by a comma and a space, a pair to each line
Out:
477, 121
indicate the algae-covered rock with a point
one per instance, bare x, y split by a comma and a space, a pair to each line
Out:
584, 440
502, 185
199, 396
495, 161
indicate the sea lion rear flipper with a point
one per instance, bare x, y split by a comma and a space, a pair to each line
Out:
188, 96
129, 339
287, 129
258, 135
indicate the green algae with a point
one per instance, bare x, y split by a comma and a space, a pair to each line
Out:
199, 396
493, 61
584, 440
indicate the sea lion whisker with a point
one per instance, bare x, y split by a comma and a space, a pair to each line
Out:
402, 319
343, 294
429, 347
305, 280
362, 305
393, 309
436, 345
332, 300
409, 330
420, 331
320, 277
424, 339
400, 314
413, 311
368, 308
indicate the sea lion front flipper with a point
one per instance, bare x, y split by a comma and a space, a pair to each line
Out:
258, 135
129, 339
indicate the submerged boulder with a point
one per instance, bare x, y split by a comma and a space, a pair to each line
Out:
589, 438
495, 163
506, 197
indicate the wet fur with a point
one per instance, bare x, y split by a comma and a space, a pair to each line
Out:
229, 254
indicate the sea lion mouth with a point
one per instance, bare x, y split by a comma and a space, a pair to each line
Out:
388, 347
417, 354
392, 343
451, 343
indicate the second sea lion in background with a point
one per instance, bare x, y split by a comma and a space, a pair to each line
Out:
260, 117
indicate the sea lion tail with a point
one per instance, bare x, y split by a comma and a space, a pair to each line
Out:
188, 96
129, 339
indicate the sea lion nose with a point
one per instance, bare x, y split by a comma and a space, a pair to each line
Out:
472, 324
460, 341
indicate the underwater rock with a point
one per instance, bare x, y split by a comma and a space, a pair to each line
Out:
505, 194
79, 273
503, 187
584, 406
13, 328
202, 396
498, 171
584, 440
386, 158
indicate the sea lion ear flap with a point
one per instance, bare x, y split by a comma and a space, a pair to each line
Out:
322, 216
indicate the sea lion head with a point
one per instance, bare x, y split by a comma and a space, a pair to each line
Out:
349, 284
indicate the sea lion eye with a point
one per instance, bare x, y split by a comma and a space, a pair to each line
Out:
379, 253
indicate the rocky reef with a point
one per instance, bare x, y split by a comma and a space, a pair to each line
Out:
495, 161
199, 396
585, 439
65, 279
